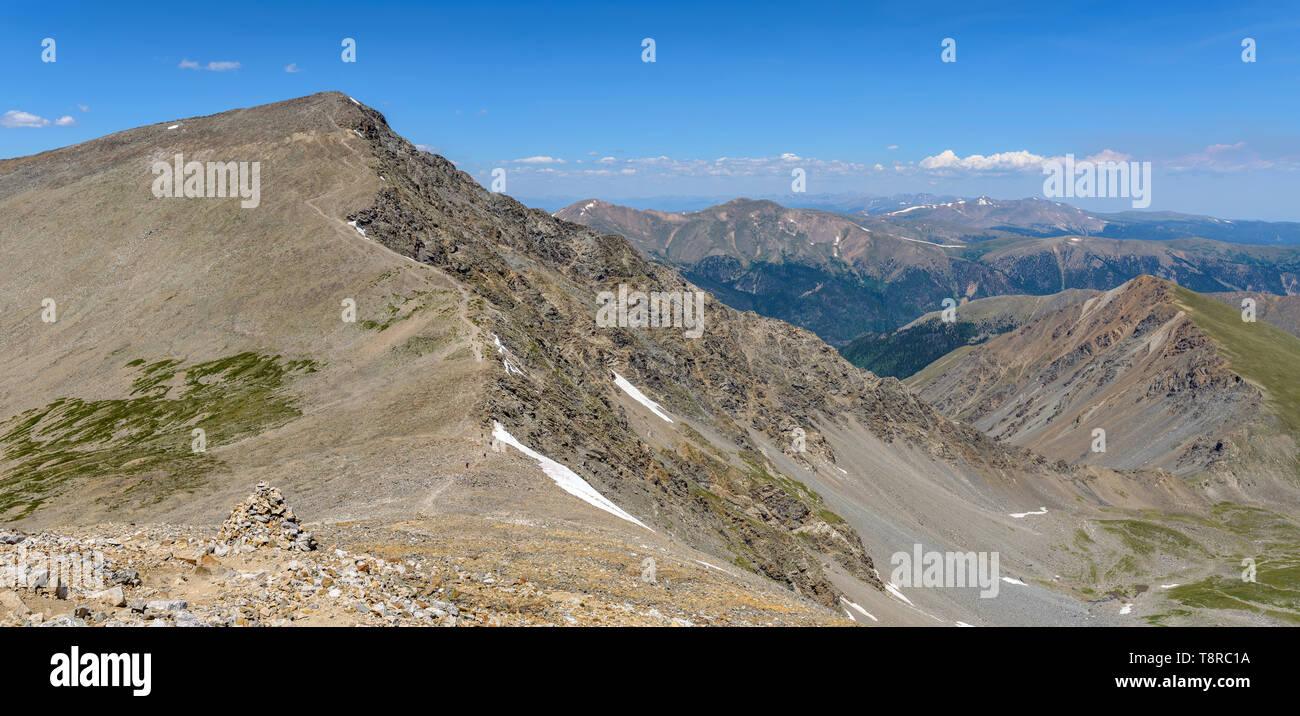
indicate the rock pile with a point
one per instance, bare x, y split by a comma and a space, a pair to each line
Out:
264, 520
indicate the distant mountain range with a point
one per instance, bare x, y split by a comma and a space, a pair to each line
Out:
947, 218
846, 275
954, 220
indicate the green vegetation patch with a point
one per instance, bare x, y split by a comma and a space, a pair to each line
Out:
399, 308
756, 470
424, 344
1220, 592
1146, 538
148, 433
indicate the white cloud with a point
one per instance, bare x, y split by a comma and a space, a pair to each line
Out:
221, 66
606, 160
539, 160
949, 162
892, 146
16, 119
292, 68
83, 108
1002, 162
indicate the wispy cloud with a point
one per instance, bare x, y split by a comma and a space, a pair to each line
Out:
220, 66
1229, 158
15, 119
664, 166
946, 164
292, 67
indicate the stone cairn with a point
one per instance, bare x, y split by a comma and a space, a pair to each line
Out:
264, 520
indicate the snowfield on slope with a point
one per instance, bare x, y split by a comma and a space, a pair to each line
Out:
567, 479
640, 397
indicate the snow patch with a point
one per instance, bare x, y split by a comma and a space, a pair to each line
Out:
1013, 580
360, 230
1127, 608
567, 479
897, 593
910, 208
174, 126
963, 624
640, 397
505, 358
917, 241
1022, 515
859, 609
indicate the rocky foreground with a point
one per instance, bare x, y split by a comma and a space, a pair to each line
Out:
263, 568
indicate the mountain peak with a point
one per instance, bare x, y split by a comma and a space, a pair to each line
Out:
1146, 287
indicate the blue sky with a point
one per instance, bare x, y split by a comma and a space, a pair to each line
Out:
739, 94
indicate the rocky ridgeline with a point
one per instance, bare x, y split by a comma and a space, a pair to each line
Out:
265, 520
